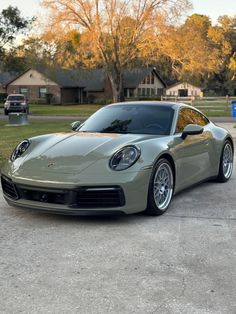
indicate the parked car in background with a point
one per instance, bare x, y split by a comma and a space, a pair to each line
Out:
16, 103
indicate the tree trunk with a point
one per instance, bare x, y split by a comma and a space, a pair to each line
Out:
116, 79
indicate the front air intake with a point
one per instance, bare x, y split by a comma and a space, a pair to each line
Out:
9, 188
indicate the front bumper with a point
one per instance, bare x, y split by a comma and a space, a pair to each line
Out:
128, 195
16, 108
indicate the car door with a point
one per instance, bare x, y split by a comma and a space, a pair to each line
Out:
192, 154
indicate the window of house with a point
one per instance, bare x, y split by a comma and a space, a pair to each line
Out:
139, 91
152, 78
24, 91
152, 91
148, 79
42, 92
148, 91
144, 81
160, 91
143, 91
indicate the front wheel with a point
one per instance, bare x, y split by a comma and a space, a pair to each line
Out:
161, 188
226, 162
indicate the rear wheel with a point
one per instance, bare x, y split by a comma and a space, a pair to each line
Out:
161, 188
226, 162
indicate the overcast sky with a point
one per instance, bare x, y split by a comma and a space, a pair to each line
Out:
212, 8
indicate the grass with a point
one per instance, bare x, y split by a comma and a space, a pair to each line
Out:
12, 135
62, 110
211, 108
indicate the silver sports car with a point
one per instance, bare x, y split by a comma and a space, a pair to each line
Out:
127, 157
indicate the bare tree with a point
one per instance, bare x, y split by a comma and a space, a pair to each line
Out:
117, 29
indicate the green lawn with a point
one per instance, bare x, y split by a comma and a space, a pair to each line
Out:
62, 110
211, 108
12, 135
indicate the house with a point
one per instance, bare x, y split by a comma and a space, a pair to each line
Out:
76, 86
36, 84
183, 89
143, 82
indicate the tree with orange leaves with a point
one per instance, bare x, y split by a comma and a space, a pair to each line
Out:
116, 29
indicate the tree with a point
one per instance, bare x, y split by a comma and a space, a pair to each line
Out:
114, 38
188, 47
11, 24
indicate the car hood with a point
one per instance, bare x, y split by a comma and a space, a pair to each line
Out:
73, 153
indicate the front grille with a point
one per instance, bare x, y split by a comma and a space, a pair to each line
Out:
14, 103
84, 197
15, 107
9, 189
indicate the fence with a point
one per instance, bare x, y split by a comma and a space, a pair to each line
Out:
220, 105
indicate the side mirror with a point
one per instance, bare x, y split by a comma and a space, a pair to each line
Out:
75, 125
191, 129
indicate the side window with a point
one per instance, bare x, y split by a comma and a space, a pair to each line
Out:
183, 120
199, 119
189, 116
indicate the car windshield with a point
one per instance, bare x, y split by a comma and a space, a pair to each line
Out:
126, 118
16, 97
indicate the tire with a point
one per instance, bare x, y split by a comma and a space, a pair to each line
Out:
226, 163
5, 112
161, 188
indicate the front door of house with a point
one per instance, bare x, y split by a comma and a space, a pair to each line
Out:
183, 92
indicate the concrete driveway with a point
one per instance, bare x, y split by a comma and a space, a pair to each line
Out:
182, 262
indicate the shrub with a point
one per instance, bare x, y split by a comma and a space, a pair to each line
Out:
3, 96
102, 101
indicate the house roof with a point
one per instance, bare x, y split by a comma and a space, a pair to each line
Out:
91, 80
179, 83
6, 77
133, 77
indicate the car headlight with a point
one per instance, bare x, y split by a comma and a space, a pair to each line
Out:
124, 158
20, 149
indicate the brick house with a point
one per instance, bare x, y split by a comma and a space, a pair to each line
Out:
37, 84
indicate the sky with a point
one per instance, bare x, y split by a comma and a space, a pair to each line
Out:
212, 8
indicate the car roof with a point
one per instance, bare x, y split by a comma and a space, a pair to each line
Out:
173, 105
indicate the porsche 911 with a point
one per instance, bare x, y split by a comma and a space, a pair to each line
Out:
126, 158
